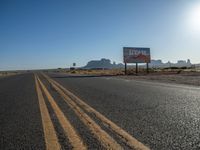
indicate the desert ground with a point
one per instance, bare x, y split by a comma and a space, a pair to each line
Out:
178, 76
6, 74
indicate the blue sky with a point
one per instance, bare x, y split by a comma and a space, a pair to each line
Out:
55, 33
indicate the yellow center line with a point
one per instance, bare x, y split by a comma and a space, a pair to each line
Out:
106, 140
125, 136
69, 130
51, 139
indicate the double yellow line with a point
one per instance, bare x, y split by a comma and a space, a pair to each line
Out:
51, 139
80, 107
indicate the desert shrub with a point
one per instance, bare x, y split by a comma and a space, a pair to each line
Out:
183, 67
171, 68
179, 71
73, 71
174, 67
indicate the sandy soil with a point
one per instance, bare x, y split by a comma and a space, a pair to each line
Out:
190, 78
3, 74
168, 76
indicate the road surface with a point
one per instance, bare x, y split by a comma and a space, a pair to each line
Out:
59, 111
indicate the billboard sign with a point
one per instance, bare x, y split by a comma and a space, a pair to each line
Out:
136, 55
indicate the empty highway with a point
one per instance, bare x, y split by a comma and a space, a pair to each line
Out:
60, 111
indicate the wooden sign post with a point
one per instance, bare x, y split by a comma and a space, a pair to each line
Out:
125, 71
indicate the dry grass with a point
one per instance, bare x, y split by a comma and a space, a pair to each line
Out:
179, 76
130, 71
97, 72
6, 74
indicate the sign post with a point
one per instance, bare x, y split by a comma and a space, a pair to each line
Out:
125, 69
136, 55
136, 69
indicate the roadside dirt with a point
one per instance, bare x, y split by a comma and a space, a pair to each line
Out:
178, 76
190, 78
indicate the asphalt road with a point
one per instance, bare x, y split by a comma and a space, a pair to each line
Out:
20, 121
161, 116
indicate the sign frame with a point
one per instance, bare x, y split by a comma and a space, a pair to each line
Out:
136, 55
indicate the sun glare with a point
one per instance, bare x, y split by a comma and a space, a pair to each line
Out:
194, 19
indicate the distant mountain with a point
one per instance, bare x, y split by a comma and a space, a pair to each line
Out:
102, 64
160, 64
197, 65
106, 64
